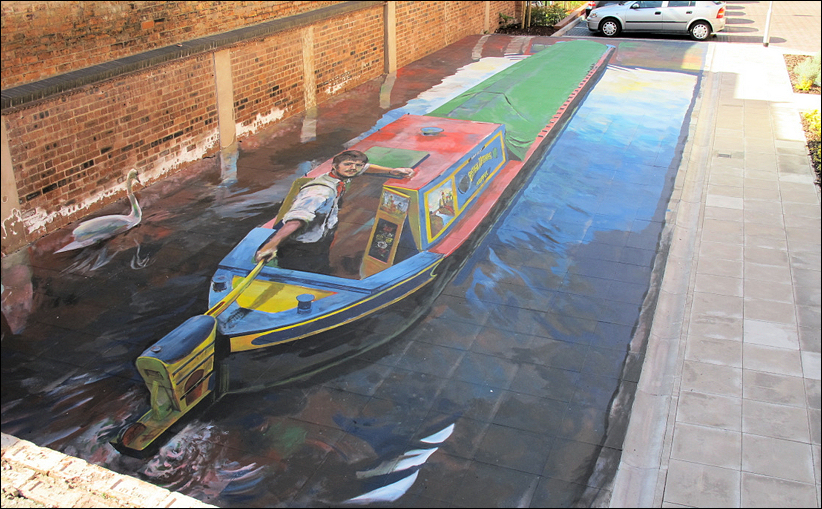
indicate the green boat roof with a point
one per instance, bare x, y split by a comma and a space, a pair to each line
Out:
527, 94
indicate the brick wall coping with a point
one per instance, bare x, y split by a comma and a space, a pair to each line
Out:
23, 94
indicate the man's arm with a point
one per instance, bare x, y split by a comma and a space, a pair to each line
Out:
269, 249
394, 172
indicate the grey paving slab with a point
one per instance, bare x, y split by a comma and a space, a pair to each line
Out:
811, 365
778, 335
714, 351
717, 329
793, 463
785, 361
720, 250
763, 491
770, 311
707, 305
720, 267
718, 285
762, 272
810, 340
711, 378
766, 255
700, 485
724, 214
773, 388
710, 410
756, 290
776, 421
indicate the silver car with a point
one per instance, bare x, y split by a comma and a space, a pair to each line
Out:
697, 18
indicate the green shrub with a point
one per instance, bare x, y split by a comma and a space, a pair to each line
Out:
547, 16
814, 144
505, 20
807, 72
813, 122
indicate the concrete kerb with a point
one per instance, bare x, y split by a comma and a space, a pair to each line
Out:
641, 475
569, 22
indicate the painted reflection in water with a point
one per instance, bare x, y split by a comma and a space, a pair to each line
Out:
601, 183
561, 276
406, 464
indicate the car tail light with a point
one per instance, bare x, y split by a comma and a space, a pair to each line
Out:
591, 5
721, 13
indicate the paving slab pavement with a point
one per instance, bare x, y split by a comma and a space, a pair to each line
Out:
736, 341
727, 412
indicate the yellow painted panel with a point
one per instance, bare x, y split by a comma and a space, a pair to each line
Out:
273, 297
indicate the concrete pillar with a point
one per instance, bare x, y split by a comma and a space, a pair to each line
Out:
309, 81
390, 43
486, 26
309, 129
13, 230
225, 98
229, 149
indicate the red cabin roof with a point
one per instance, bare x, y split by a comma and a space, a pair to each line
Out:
445, 149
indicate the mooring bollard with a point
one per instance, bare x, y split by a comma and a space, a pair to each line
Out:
304, 302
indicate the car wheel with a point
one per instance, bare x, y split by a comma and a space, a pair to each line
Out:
610, 27
700, 31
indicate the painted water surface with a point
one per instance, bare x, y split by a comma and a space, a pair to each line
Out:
500, 396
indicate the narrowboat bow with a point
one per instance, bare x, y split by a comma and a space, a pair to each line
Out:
396, 246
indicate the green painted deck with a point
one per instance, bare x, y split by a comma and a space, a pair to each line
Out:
542, 83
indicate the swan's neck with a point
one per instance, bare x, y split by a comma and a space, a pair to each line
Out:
135, 207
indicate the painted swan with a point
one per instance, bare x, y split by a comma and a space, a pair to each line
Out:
104, 227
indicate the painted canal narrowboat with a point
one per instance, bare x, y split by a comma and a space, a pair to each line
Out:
399, 241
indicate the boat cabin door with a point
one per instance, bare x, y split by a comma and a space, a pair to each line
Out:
385, 234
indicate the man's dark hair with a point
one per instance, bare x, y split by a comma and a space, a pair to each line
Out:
349, 155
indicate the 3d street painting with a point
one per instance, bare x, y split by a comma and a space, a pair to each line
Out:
507, 384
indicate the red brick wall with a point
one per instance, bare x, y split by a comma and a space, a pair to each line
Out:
348, 51
512, 9
69, 151
268, 75
42, 39
425, 27
267, 79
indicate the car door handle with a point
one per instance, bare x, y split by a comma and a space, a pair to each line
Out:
689, 12
657, 13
